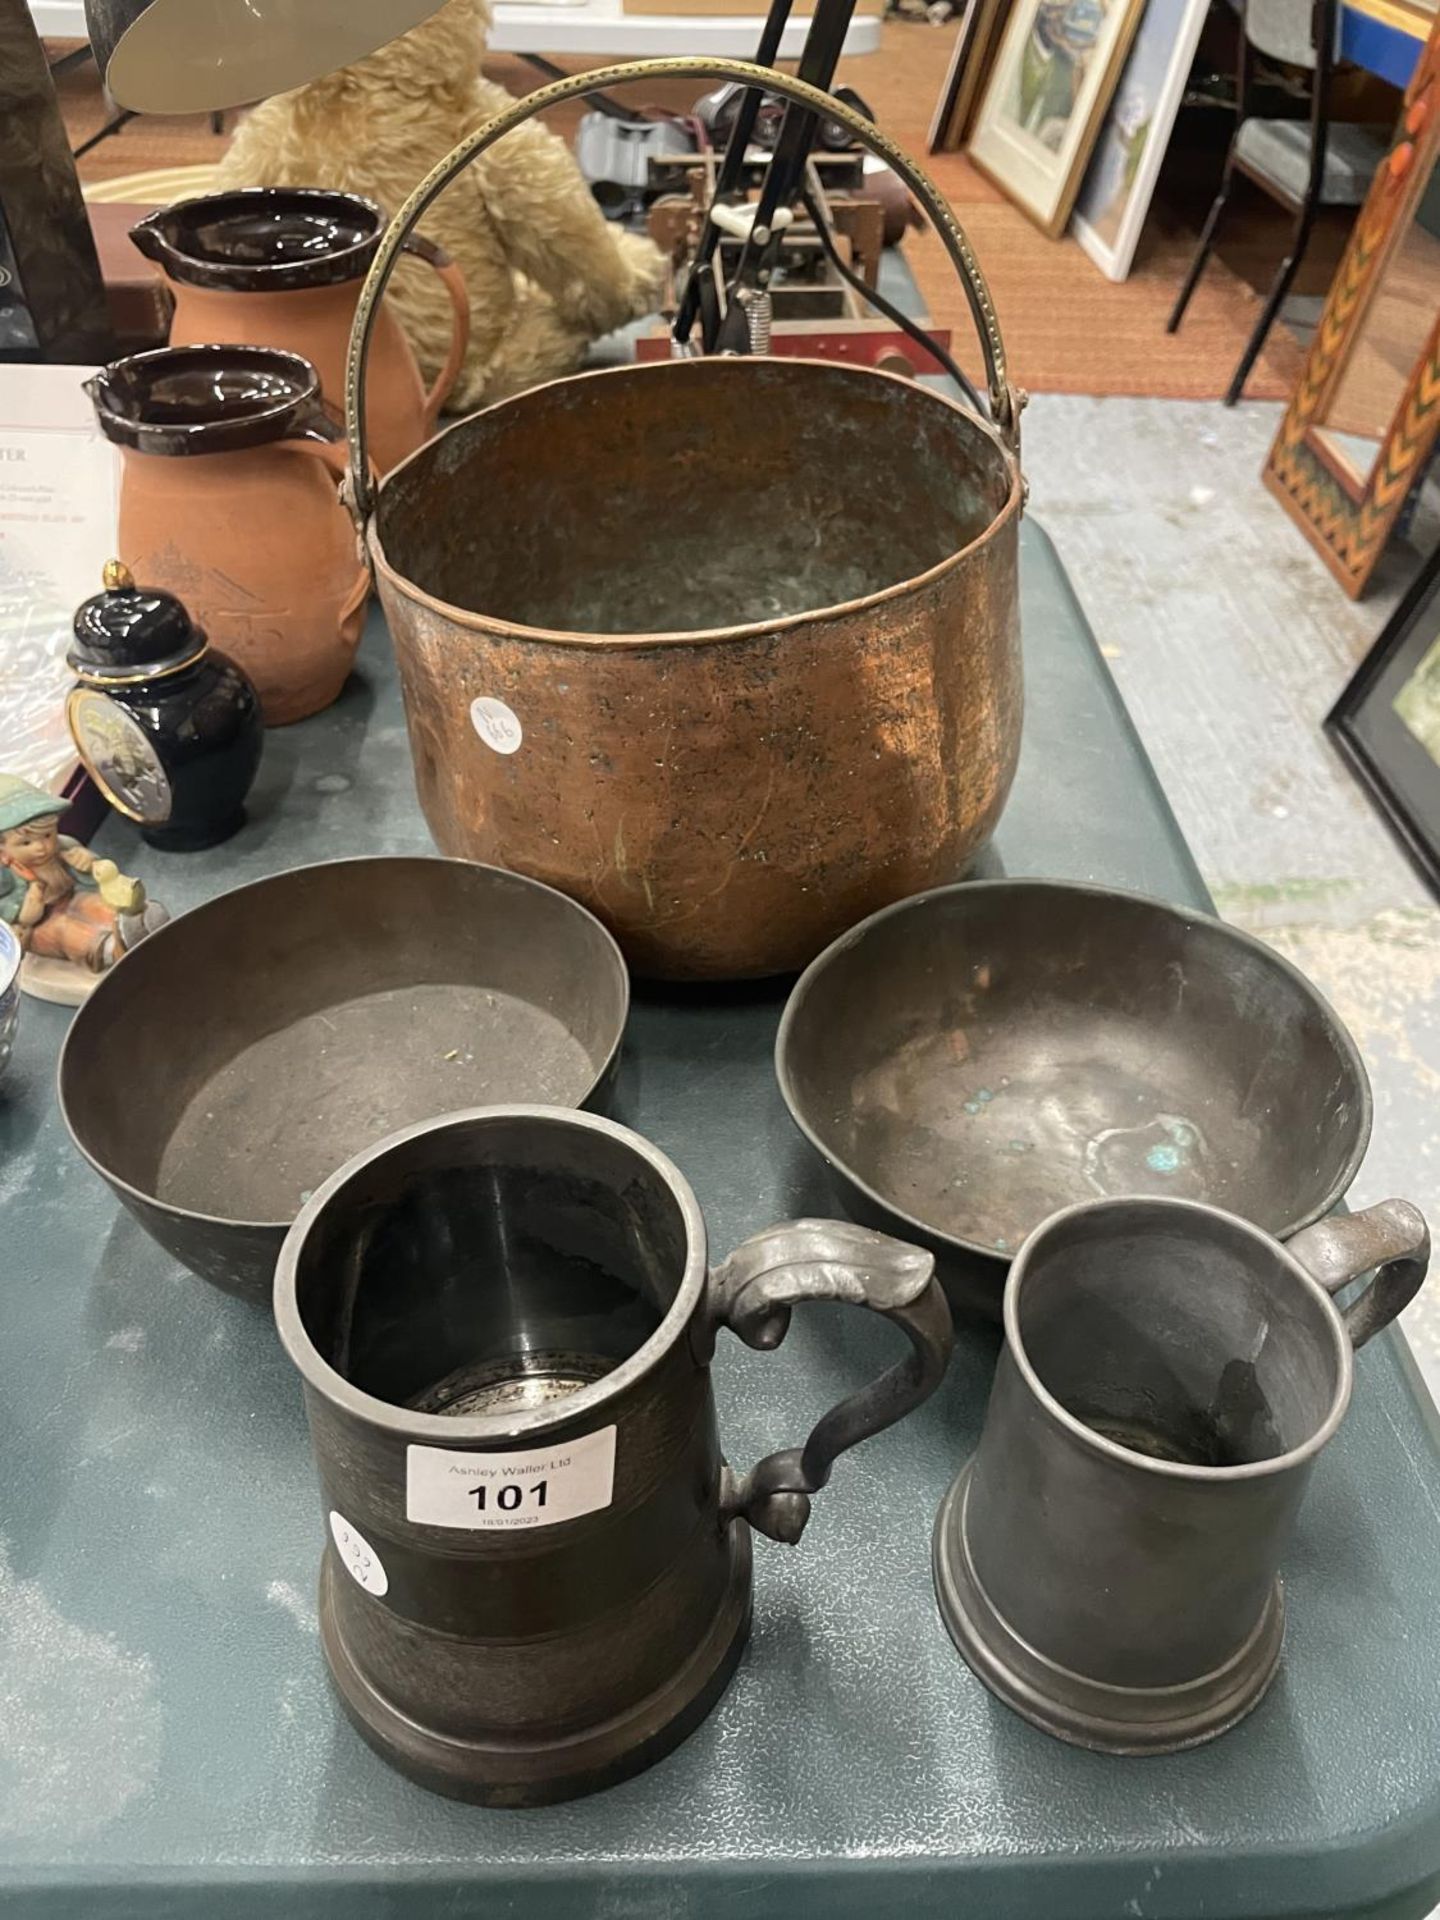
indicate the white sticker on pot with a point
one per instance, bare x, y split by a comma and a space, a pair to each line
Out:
357, 1556
504, 1491
497, 725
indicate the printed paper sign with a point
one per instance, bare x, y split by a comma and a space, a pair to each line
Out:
59, 507
496, 1491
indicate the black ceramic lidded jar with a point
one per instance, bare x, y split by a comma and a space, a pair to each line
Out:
168, 729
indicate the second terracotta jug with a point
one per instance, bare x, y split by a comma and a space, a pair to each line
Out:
283, 267
230, 500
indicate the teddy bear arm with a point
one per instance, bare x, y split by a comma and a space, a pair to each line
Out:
557, 237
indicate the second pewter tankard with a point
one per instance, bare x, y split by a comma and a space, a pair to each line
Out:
537, 1576
1107, 1560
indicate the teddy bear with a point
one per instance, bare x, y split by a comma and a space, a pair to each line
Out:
546, 273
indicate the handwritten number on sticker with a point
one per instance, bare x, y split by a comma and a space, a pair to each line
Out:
357, 1556
496, 725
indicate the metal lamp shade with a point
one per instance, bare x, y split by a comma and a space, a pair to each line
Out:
195, 56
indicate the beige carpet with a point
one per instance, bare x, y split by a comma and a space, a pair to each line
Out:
1067, 329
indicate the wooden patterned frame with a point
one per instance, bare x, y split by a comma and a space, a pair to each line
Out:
1347, 519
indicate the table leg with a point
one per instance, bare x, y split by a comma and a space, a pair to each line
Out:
112, 125
67, 61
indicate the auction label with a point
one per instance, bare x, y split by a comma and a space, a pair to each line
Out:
493, 1491
497, 725
357, 1556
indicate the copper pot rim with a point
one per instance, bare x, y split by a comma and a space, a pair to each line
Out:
701, 636
1002, 1263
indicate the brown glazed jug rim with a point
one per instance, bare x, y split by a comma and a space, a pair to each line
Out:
349, 259
274, 417
1144, 1463
404, 1423
701, 636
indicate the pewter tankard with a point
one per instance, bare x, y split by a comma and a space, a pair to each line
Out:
537, 1576
1107, 1561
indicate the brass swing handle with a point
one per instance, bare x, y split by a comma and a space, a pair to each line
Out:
1005, 401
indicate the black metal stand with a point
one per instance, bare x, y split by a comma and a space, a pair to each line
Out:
732, 167
112, 125
782, 183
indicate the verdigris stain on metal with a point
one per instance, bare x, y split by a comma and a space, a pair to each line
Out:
136, 1401
976, 1057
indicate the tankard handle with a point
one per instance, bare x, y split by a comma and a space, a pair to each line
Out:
1006, 401
1391, 1237
752, 1293
436, 258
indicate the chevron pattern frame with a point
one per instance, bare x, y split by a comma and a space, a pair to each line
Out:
1348, 522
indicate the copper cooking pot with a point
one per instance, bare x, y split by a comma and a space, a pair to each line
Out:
728, 649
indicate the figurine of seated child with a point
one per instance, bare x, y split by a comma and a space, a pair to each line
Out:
64, 904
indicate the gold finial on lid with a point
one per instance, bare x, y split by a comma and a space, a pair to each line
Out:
118, 577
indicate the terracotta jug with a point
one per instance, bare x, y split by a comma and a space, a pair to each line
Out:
230, 500
283, 267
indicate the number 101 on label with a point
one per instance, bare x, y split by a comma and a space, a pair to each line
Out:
510, 1497
537, 1488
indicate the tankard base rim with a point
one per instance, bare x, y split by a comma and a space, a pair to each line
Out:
1069, 1706
516, 1772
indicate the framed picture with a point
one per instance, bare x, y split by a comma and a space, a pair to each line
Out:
1052, 81
971, 58
1120, 180
1387, 721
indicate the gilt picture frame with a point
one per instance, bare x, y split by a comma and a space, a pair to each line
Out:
1047, 95
1119, 182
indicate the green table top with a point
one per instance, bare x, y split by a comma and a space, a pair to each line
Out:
168, 1744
